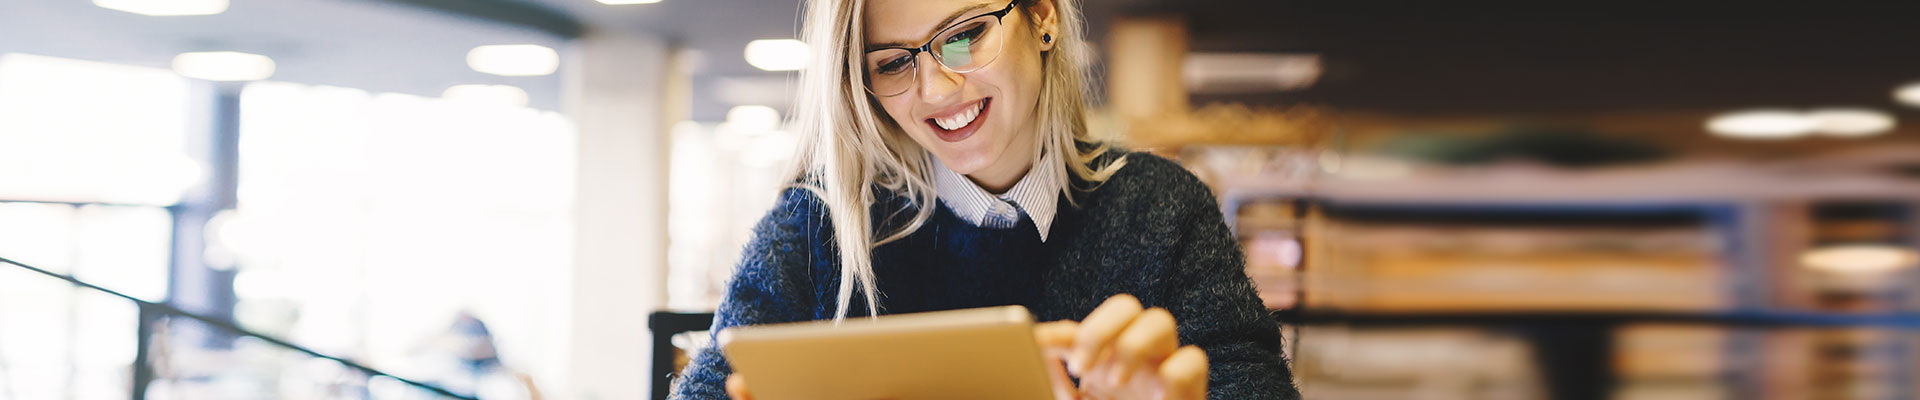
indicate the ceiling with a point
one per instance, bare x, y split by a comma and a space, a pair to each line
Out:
1485, 57
362, 44
718, 30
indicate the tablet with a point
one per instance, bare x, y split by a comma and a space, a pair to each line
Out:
981, 353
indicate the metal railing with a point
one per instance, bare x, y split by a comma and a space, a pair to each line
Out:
152, 312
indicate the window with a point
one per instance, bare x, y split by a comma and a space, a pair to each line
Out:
723, 179
367, 222
90, 154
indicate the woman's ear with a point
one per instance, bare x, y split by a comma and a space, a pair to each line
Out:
1046, 22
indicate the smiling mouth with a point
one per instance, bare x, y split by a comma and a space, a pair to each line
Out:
961, 124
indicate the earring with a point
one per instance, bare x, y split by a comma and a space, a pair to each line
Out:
1046, 38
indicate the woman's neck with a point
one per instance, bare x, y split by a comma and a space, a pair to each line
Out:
999, 177
999, 182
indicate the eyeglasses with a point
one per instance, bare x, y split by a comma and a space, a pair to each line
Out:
963, 47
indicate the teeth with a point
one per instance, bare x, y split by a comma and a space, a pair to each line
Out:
960, 119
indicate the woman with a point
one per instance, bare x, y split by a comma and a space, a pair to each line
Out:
944, 165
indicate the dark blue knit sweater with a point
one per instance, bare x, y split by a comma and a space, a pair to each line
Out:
1152, 230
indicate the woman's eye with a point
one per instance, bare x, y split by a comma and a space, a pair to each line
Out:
891, 65
966, 35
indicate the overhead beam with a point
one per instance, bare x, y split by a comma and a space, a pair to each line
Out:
511, 12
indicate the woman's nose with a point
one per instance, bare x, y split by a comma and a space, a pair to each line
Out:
937, 82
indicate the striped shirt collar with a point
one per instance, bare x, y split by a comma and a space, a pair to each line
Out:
1037, 194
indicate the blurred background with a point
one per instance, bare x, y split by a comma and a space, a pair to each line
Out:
540, 199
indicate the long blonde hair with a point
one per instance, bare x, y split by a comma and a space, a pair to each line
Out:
847, 146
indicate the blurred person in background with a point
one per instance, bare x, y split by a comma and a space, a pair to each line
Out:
464, 358
945, 164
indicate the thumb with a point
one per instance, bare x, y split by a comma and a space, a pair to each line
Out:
1055, 340
1063, 388
1055, 335
737, 387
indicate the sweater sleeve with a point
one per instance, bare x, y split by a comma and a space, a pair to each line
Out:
1217, 305
772, 284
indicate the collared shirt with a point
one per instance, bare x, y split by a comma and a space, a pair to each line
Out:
1037, 194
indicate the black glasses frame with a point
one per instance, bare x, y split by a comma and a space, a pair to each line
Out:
913, 53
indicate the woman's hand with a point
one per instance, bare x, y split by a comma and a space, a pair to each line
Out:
737, 387
1121, 351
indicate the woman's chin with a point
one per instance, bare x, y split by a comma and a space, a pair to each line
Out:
964, 161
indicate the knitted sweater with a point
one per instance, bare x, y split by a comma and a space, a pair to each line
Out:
1152, 230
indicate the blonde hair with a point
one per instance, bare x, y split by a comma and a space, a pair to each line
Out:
847, 146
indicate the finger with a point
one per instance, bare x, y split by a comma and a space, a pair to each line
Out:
1063, 388
1185, 374
1148, 340
1099, 382
737, 387
1055, 335
1096, 381
1146, 382
1098, 330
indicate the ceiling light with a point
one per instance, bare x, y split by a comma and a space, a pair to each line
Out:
514, 60
1761, 124
778, 54
1851, 122
504, 95
753, 118
1909, 94
1859, 258
165, 8
223, 66
626, 2
1230, 73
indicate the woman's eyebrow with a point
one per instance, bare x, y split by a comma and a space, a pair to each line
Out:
936, 28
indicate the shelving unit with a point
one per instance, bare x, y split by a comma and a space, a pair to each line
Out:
1753, 299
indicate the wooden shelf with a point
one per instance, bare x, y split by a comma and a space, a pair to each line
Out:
1775, 319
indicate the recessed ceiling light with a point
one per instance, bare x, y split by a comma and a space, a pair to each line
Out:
1761, 124
753, 118
1859, 258
626, 2
514, 60
223, 66
1909, 94
504, 95
778, 54
1851, 122
165, 8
